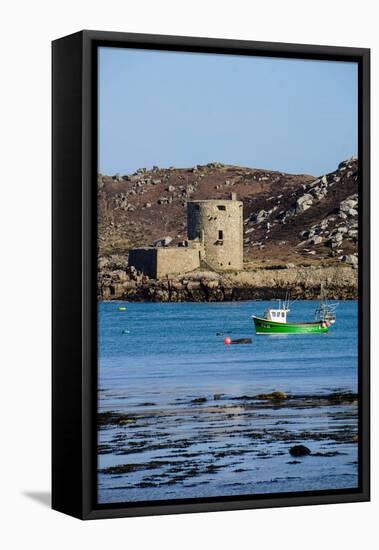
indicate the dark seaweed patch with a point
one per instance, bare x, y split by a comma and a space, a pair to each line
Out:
127, 468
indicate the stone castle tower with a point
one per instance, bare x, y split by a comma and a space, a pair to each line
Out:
215, 233
218, 226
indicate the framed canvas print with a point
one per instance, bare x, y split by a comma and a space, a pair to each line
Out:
210, 274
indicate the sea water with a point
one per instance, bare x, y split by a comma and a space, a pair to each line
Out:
167, 363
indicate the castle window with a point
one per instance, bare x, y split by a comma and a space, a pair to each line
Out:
221, 207
220, 235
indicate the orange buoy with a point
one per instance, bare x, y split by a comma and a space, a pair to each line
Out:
227, 341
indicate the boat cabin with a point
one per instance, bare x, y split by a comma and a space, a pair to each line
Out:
277, 315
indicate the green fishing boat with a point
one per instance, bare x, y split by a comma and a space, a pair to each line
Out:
274, 320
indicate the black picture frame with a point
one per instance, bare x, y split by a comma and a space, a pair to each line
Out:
74, 336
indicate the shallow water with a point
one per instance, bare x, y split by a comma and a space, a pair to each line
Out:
156, 360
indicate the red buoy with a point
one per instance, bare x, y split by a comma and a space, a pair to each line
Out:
227, 341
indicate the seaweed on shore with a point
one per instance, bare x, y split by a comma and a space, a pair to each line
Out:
293, 399
104, 449
127, 468
111, 417
328, 453
273, 396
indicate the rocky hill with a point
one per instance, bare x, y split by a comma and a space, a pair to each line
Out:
290, 221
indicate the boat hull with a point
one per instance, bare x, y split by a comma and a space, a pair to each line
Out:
263, 326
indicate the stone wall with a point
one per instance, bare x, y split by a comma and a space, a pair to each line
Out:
158, 262
176, 260
219, 225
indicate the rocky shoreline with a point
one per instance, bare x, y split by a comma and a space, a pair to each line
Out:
298, 232
260, 284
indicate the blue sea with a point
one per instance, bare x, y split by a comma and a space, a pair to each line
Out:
193, 428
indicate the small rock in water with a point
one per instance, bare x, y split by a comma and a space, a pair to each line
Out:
199, 400
299, 450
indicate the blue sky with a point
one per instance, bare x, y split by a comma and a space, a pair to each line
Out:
183, 109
